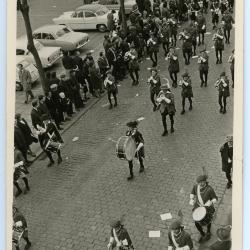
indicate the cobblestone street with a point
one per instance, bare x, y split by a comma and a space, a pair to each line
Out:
70, 206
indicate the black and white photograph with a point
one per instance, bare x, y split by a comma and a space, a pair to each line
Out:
125, 128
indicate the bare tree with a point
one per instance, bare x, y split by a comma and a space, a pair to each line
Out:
124, 22
22, 5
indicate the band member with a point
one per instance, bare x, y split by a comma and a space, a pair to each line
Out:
111, 87
139, 141
133, 65
178, 238
222, 85
119, 238
227, 159
193, 9
201, 26
165, 34
20, 225
203, 195
218, 44
223, 239
203, 67
47, 133
227, 21
231, 61
215, 10
153, 48
187, 91
192, 30
155, 83
173, 29
224, 6
167, 106
186, 46
20, 172
174, 66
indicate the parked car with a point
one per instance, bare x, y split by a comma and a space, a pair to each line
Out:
86, 17
28, 66
48, 55
60, 36
129, 5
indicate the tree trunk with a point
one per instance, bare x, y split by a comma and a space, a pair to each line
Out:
124, 22
24, 8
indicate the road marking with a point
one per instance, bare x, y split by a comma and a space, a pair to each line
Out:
167, 216
154, 234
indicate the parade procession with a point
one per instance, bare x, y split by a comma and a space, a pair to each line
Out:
127, 141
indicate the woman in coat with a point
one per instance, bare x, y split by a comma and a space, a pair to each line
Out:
95, 78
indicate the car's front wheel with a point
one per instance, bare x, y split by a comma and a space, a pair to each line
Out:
101, 27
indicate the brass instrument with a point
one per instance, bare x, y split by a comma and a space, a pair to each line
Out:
183, 36
169, 55
220, 82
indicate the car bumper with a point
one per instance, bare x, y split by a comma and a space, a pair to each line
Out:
49, 64
82, 44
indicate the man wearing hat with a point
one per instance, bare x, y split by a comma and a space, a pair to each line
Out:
226, 152
223, 239
228, 22
203, 66
203, 195
153, 48
178, 238
187, 91
155, 84
46, 133
167, 106
222, 85
111, 87
119, 238
139, 141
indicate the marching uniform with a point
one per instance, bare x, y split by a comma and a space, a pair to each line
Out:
218, 45
153, 48
187, 91
224, 239
203, 195
46, 134
173, 67
226, 152
155, 84
227, 21
223, 87
186, 46
111, 87
215, 9
132, 58
192, 30
119, 237
167, 107
201, 27
203, 67
139, 141
165, 34
173, 30
178, 238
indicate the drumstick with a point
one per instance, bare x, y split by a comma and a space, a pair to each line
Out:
110, 139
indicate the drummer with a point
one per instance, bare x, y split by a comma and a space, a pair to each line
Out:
139, 141
44, 134
178, 238
203, 195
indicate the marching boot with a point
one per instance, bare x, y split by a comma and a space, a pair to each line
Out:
165, 132
115, 105
191, 106
59, 161
224, 110
131, 177
202, 84
172, 128
50, 164
110, 106
141, 169
183, 112
205, 84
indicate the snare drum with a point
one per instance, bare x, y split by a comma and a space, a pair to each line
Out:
126, 148
53, 146
203, 215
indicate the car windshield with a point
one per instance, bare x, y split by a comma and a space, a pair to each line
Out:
62, 32
102, 12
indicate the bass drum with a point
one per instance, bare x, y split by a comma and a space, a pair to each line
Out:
203, 215
125, 148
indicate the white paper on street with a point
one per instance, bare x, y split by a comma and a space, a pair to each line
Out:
75, 139
167, 216
154, 234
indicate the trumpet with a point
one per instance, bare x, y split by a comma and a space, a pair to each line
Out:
169, 55
129, 56
201, 59
183, 36
220, 82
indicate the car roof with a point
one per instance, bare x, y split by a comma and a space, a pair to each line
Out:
22, 42
92, 7
49, 28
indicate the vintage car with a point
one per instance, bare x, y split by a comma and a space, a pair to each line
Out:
129, 5
60, 36
86, 17
48, 55
28, 66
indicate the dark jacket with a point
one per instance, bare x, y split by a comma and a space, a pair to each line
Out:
67, 62
226, 153
36, 118
77, 61
24, 127
43, 109
19, 140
